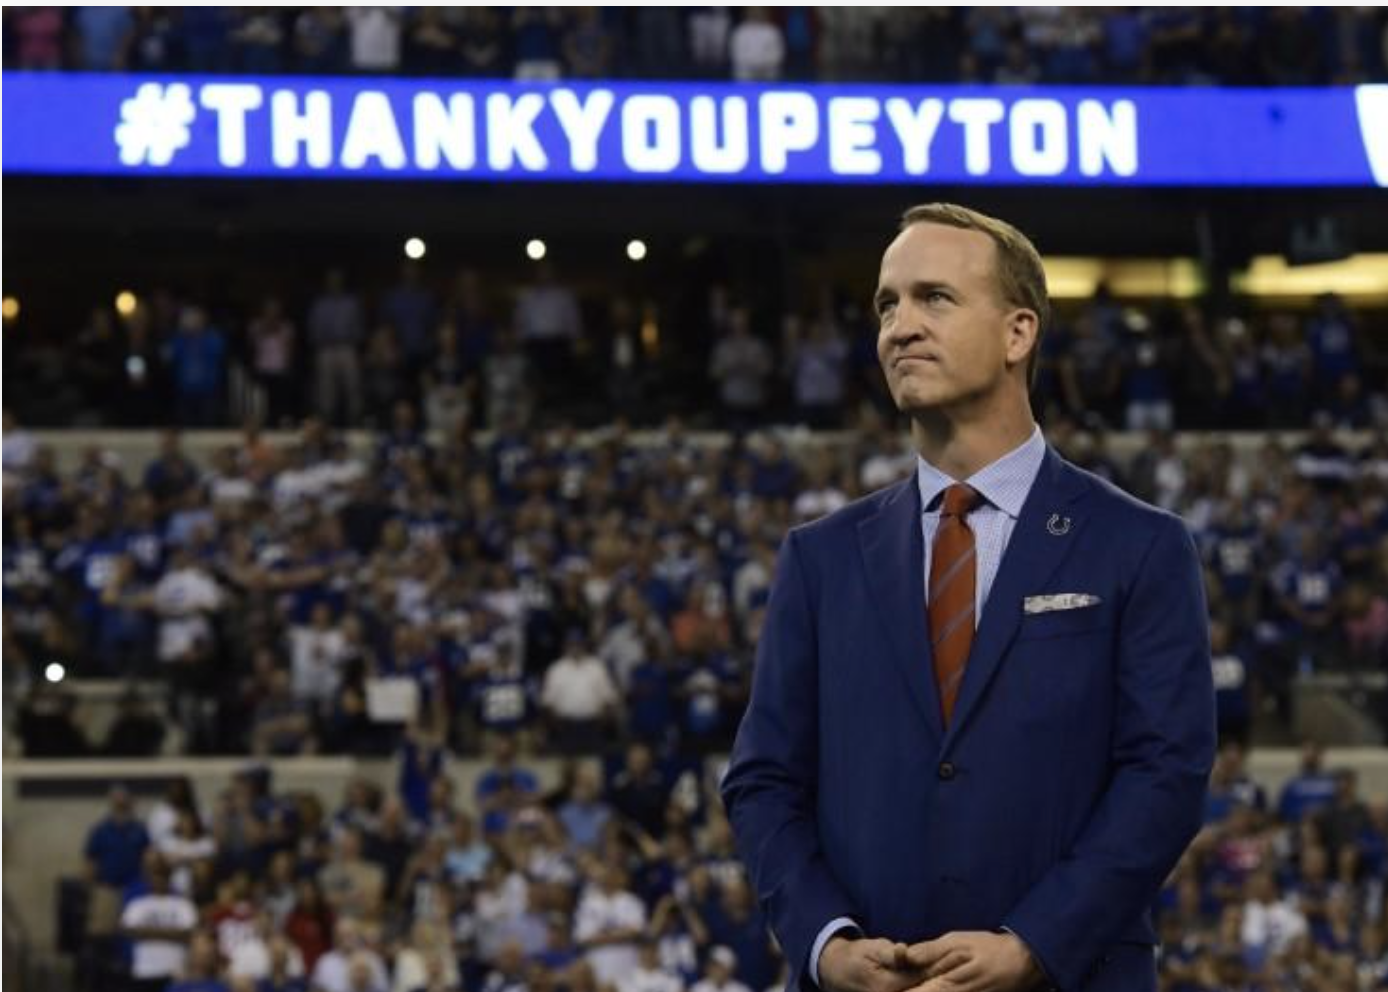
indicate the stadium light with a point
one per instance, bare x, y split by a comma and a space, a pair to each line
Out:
636, 249
535, 249
125, 303
10, 308
415, 248
54, 672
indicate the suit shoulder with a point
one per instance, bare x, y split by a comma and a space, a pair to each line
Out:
1124, 509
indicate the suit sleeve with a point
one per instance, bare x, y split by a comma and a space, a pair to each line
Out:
1162, 752
769, 789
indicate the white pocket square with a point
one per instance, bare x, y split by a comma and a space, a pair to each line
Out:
1058, 601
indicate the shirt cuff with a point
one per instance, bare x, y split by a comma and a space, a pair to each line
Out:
830, 928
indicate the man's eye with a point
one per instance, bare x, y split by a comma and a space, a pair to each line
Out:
885, 307
935, 296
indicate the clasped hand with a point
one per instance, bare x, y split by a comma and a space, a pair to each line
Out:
967, 961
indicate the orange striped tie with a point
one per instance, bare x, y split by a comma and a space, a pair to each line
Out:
950, 597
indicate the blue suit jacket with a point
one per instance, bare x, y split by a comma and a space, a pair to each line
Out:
1073, 772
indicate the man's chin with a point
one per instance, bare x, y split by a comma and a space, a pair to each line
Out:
915, 402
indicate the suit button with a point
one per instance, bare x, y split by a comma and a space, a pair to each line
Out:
946, 770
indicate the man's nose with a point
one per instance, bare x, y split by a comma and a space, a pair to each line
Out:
908, 325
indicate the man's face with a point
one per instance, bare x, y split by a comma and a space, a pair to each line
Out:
944, 333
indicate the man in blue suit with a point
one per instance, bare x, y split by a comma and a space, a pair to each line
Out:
983, 787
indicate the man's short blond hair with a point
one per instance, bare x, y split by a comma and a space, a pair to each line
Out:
1021, 276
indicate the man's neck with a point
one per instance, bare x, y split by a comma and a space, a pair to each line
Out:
961, 446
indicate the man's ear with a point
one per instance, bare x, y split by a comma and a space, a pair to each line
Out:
1023, 330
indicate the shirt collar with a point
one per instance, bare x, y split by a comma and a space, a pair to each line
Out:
1005, 483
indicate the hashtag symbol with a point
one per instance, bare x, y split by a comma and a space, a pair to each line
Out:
154, 124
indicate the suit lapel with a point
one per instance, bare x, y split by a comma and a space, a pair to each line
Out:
1033, 554
894, 557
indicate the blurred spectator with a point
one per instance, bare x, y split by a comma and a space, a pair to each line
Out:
709, 29
385, 374
1332, 336
718, 973
184, 848
609, 922
352, 965
354, 888
281, 722
99, 359
273, 338
310, 924
257, 38
648, 975
587, 46
740, 364
756, 47
411, 309
1342, 822
375, 38
1287, 360
154, 44
584, 814
336, 328
508, 377
482, 42
1233, 681
1017, 68
197, 358
38, 36
536, 34
1271, 922
160, 925
580, 698
817, 356
204, 33
320, 40
1310, 790
431, 47
550, 326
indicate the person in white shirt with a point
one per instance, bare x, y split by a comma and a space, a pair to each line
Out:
351, 965
648, 975
187, 844
183, 598
580, 697
316, 653
718, 973
375, 38
757, 48
160, 924
1270, 921
19, 447
256, 956
608, 923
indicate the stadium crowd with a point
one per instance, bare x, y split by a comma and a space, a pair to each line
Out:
425, 590
429, 594
572, 587
474, 348
625, 878
1277, 46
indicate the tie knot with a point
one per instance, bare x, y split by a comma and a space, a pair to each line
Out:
959, 501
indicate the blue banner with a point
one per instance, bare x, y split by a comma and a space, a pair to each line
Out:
67, 124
